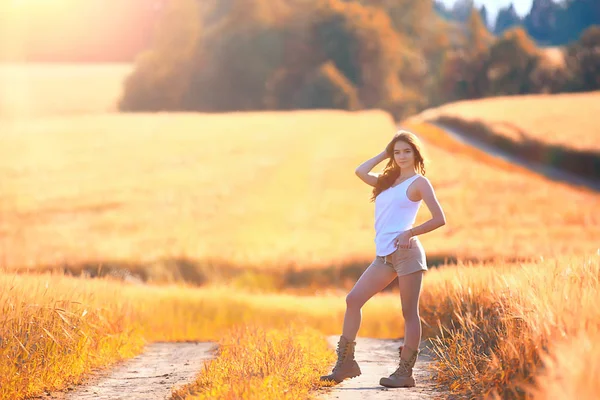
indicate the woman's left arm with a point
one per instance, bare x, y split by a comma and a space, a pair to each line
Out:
437, 214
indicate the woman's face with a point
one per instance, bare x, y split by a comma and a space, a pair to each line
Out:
404, 154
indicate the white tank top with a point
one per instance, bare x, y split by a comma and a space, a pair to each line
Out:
394, 213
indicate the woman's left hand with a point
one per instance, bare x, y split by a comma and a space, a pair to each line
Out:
402, 241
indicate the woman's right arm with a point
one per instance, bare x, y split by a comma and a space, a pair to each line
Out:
363, 170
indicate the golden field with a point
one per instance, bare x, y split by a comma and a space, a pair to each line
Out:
270, 191
568, 120
148, 188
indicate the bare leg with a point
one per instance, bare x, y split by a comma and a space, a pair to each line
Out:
372, 281
410, 290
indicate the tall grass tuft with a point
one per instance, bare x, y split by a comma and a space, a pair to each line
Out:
502, 330
254, 362
53, 332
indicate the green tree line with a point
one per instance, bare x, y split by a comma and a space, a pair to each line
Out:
397, 55
548, 22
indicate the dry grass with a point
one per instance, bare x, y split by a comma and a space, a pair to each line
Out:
255, 363
568, 120
572, 371
510, 330
500, 323
265, 191
56, 329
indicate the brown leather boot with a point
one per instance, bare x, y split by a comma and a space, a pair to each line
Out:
346, 366
402, 377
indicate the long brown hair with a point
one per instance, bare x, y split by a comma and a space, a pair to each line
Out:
391, 172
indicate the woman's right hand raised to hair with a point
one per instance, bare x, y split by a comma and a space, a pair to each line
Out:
363, 170
390, 146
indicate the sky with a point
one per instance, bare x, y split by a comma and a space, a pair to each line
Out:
521, 6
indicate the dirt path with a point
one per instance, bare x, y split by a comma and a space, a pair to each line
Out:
150, 376
546, 170
378, 358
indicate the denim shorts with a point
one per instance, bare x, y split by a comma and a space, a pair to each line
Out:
404, 261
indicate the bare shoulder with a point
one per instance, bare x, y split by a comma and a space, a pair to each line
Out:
429, 196
423, 180
424, 184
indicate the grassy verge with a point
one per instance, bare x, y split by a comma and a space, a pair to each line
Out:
257, 363
56, 329
509, 331
566, 119
506, 330
436, 135
585, 163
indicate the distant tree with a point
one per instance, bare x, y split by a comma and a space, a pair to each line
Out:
243, 46
425, 40
550, 74
575, 17
583, 61
461, 10
483, 12
327, 87
409, 18
455, 79
506, 18
441, 9
463, 73
511, 61
479, 41
160, 79
363, 46
541, 22
435, 47
478, 38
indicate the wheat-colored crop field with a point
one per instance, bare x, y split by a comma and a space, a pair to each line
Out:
260, 190
568, 120
516, 316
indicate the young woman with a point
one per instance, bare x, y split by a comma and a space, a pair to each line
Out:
397, 194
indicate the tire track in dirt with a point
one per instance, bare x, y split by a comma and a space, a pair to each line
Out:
547, 171
152, 375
